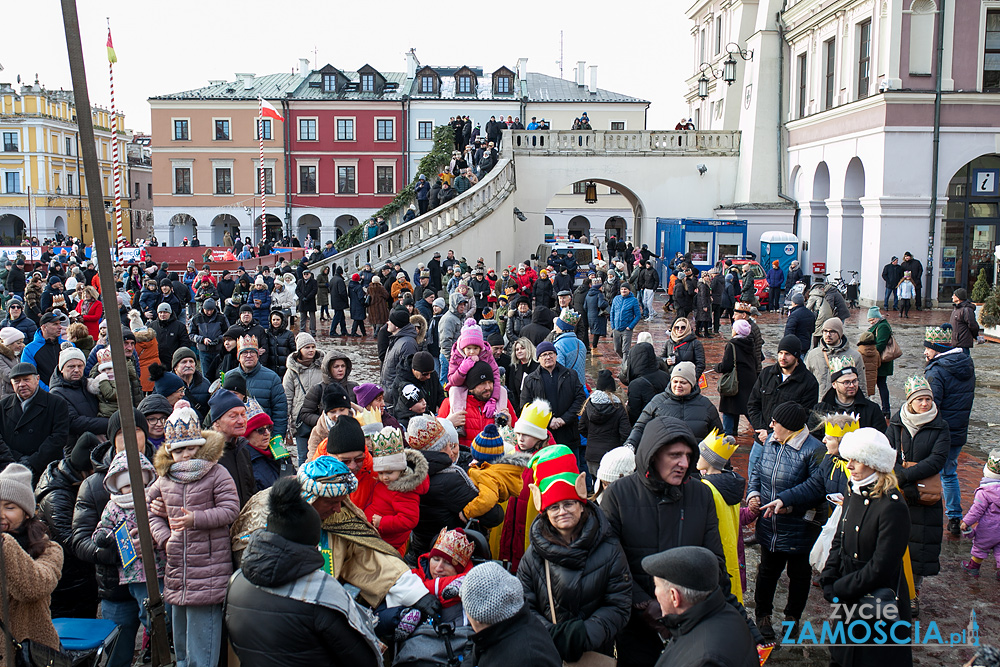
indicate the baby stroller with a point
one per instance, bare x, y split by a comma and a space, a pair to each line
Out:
797, 288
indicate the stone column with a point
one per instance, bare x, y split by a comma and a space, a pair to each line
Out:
813, 228
892, 226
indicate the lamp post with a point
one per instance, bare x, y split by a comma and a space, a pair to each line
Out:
729, 65
703, 80
590, 193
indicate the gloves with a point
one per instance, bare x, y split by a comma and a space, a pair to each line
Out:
450, 591
466, 365
409, 620
570, 638
428, 606
490, 408
651, 615
100, 377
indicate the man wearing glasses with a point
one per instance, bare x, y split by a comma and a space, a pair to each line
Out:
18, 320
843, 396
156, 409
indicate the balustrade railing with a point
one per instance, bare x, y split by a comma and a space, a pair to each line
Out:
551, 142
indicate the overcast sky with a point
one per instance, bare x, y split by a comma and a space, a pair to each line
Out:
641, 47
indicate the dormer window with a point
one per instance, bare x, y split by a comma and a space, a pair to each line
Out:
367, 83
503, 84
427, 84
329, 83
465, 84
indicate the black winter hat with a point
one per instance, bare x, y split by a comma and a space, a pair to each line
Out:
235, 382
478, 374
423, 362
790, 344
605, 381
165, 282
290, 516
79, 458
399, 317
246, 308
115, 424
155, 404
791, 415
345, 436
695, 568
335, 397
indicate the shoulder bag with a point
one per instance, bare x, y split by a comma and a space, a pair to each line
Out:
589, 658
729, 382
929, 488
891, 351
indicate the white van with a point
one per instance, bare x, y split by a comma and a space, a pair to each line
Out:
584, 253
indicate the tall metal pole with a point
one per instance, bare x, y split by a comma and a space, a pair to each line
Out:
935, 158
85, 123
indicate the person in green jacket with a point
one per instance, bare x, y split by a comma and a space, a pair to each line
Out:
880, 327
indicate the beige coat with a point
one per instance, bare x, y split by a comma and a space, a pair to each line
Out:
30, 583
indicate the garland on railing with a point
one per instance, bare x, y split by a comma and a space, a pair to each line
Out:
430, 165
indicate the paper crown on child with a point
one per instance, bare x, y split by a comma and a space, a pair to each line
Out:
487, 447
387, 450
835, 430
534, 420
556, 476
245, 343
937, 338
183, 428
567, 319
104, 359
915, 386
992, 468
508, 436
717, 448
454, 546
371, 421
840, 366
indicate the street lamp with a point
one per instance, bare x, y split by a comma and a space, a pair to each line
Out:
590, 193
703, 80
729, 65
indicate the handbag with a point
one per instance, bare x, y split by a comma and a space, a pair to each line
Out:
729, 382
891, 351
929, 488
589, 658
26, 653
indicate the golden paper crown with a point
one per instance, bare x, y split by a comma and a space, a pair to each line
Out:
371, 421
720, 444
836, 431
841, 364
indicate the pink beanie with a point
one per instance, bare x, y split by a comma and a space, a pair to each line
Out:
741, 328
471, 335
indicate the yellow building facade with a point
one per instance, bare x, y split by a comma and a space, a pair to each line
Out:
43, 188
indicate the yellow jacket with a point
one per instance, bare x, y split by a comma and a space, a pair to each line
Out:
729, 531
496, 483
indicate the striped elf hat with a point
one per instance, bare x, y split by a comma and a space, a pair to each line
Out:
556, 476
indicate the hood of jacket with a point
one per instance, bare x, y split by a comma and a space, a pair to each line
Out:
600, 413
730, 485
210, 451
57, 476
102, 455
954, 363
120, 464
642, 359
436, 462
419, 324
270, 560
57, 380
284, 321
695, 393
574, 555
414, 475
329, 358
408, 331
541, 315
659, 432
453, 303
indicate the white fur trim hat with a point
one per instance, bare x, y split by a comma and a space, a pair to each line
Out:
870, 447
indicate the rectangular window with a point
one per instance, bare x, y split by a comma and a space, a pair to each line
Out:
345, 181
268, 181
265, 125
425, 129
69, 145
618, 125
384, 180
503, 84
182, 181
223, 181
149, 188
718, 34
12, 181
465, 84
701, 45
367, 83
579, 188
222, 130
10, 142
307, 129
864, 58
307, 179
383, 129
69, 186
830, 53
802, 72
329, 83
180, 132
427, 84
138, 191
345, 129
991, 57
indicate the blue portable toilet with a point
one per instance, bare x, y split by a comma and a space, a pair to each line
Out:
780, 246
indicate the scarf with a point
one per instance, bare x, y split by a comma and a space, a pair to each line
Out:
914, 422
185, 472
123, 500
347, 524
856, 486
841, 464
676, 335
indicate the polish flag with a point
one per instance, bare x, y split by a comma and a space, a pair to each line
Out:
268, 111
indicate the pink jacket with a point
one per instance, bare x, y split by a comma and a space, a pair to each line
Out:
985, 511
199, 559
459, 365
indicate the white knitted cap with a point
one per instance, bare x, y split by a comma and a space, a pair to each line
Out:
870, 447
490, 594
616, 464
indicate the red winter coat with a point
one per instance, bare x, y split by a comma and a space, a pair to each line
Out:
199, 559
398, 503
92, 317
474, 419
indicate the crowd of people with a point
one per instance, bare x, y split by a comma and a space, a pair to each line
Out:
484, 497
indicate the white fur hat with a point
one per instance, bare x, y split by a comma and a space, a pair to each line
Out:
870, 447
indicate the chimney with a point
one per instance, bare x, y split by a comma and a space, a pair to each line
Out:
522, 69
304, 66
411, 63
581, 73
593, 80
247, 78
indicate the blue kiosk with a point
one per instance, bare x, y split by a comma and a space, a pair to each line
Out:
707, 241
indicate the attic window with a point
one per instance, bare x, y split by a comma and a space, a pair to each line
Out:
329, 83
465, 84
427, 84
368, 83
503, 85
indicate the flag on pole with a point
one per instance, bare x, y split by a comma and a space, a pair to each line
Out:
266, 110
112, 58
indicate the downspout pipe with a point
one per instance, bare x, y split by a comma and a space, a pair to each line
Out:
288, 167
935, 158
781, 123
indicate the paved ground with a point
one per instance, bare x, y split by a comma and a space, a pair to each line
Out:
947, 599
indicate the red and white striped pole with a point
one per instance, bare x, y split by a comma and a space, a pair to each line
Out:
115, 169
263, 194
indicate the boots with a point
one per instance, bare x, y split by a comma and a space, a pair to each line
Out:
766, 629
972, 567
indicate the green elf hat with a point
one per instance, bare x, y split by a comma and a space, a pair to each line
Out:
556, 476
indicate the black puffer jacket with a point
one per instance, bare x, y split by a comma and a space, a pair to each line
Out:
695, 410
644, 377
76, 594
688, 348
770, 391
281, 343
566, 404
516, 323
604, 423
590, 578
952, 377
268, 629
510, 642
869, 414
541, 325
929, 450
82, 407
171, 334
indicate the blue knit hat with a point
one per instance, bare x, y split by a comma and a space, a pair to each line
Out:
488, 445
164, 382
222, 402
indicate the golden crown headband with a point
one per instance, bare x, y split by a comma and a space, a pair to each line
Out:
837, 431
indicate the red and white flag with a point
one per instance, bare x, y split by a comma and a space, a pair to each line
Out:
268, 111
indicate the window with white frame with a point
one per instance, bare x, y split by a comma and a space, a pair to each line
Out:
223, 181
345, 129
864, 58
367, 83
465, 84
182, 180
718, 34
618, 125
427, 84
69, 145
384, 180
425, 130
307, 129
829, 72
991, 55
263, 126
182, 131
11, 143
69, 186
222, 129
307, 179
268, 181
347, 180
384, 129
802, 68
